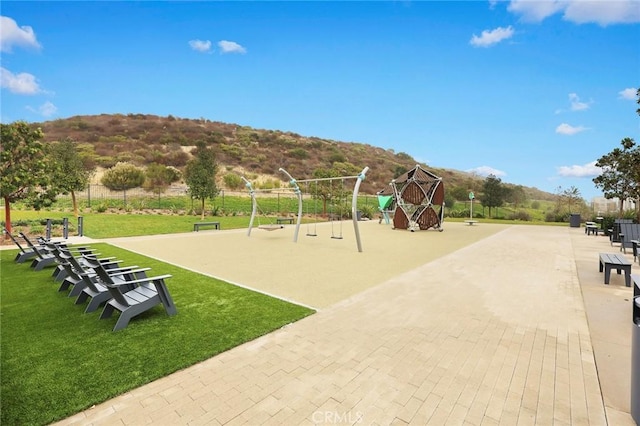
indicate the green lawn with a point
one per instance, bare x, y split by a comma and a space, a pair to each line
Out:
56, 360
110, 225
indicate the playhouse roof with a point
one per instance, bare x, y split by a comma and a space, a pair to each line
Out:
417, 174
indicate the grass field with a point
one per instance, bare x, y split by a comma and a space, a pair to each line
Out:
56, 360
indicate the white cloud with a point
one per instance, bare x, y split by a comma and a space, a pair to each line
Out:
629, 93
47, 109
230, 47
486, 171
569, 130
13, 35
577, 104
200, 45
586, 170
491, 37
21, 84
603, 13
578, 11
535, 11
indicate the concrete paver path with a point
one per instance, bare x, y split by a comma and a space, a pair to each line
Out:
491, 331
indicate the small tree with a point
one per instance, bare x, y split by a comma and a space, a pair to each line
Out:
493, 193
200, 175
70, 172
517, 195
572, 197
323, 189
158, 177
25, 172
459, 193
123, 176
620, 175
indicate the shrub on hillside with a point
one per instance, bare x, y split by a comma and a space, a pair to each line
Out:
556, 216
520, 215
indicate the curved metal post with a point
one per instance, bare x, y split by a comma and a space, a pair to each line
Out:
354, 206
294, 184
254, 204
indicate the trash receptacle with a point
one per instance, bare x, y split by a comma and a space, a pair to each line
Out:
635, 351
574, 220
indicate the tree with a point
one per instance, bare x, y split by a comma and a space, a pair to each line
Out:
25, 172
571, 196
517, 195
123, 176
493, 193
158, 177
620, 175
459, 193
70, 174
200, 175
399, 171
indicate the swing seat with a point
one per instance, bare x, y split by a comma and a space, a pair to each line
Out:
270, 227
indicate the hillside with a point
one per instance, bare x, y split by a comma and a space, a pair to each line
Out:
142, 139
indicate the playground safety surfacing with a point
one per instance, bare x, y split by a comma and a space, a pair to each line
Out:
474, 325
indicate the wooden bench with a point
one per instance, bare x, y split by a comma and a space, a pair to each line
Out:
470, 222
282, 220
198, 225
609, 261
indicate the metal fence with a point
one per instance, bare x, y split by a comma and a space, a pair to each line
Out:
96, 192
177, 197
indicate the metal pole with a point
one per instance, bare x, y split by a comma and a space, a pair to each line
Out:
296, 188
354, 206
80, 226
65, 228
253, 204
48, 230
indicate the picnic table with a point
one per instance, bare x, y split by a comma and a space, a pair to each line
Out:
609, 261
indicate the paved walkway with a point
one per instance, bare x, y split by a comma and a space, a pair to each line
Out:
494, 332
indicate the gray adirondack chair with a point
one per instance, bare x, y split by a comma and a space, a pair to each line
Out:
629, 232
43, 258
81, 254
23, 254
60, 273
149, 292
87, 285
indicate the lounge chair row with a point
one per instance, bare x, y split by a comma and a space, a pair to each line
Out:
100, 281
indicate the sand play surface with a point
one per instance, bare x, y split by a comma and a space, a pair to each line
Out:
315, 271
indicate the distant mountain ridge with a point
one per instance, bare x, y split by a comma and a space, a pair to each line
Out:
142, 139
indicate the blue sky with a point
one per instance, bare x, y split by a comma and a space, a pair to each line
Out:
531, 91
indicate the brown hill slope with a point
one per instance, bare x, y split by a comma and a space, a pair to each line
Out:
143, 139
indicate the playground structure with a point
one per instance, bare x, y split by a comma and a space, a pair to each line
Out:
412, 199
295, 188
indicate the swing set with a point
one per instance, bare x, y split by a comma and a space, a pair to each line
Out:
255, 207
336, 233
